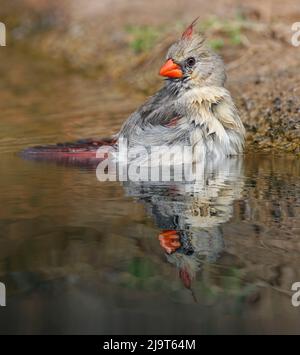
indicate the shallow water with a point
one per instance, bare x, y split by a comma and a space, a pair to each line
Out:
81, 256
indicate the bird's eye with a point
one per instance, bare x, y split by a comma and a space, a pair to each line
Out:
190, 62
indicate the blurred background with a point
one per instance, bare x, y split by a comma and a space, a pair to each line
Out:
78, 256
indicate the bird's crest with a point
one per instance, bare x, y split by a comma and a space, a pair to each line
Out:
187, 34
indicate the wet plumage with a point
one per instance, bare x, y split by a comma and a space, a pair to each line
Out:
195, 95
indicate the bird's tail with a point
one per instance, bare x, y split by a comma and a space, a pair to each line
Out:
81, 152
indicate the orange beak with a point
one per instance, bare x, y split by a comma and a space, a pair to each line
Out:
169, 241
171, 70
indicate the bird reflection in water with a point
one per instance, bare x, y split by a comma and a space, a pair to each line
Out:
190, 214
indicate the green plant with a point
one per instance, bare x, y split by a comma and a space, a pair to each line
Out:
217, 43
142, 38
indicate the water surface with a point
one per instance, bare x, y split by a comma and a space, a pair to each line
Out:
80, 256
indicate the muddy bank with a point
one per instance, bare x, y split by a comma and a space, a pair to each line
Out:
123, 44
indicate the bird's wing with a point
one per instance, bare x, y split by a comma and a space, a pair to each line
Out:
158, 121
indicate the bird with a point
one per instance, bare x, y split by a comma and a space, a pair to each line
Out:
193, 108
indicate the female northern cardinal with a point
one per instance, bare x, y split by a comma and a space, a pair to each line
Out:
193, 108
